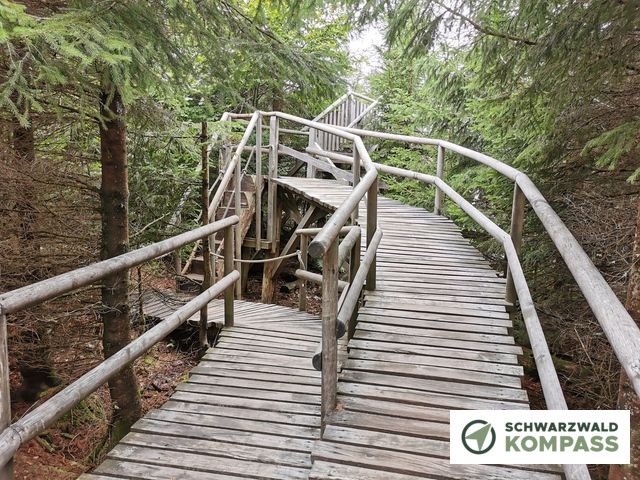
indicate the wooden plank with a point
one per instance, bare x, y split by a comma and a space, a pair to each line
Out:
230, 423
438, 386
266, 337
435, 333
387, 346
290, 348
249, 393
436, 308
434, 295
427, 467
385, 440
438, 342
416, 360
258, 372
260, 358
433, 324
381, 423
395, 411
221, 449
245, 413
405, 443
330, 471
268, 405
433, 399
433, 372
141, 471
253, 384
205, 463
436, 317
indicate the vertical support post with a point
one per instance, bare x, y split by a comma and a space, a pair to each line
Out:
228, 268
177, 262
354, 265
329, 325
313, 134
272, 201
206, 244
302, 287
238, 212
259, 183
372, 226
6, 471
517, 226
356, 178
437, 208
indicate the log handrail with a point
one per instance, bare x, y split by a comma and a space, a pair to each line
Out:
619, 327
39, 419
551, 387
36, 293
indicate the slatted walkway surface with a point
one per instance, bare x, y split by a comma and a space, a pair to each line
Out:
250, 409
434, 336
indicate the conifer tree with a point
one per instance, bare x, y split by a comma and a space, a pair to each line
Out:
92, 58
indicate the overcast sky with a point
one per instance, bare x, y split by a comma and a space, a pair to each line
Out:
363, 50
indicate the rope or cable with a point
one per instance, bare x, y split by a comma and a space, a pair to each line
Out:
265, 260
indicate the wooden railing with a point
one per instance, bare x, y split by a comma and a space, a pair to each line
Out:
12, 435
620, 329
326, 245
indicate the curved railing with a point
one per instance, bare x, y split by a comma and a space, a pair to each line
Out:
619, 327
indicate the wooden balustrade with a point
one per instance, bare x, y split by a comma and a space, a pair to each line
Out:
40, 418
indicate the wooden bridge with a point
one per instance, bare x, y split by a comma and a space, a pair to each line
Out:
414, 323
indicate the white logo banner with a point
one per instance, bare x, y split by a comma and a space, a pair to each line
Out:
540, 437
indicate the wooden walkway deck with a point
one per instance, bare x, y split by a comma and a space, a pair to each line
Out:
434, 336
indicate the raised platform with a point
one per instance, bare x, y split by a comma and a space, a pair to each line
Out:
434, 336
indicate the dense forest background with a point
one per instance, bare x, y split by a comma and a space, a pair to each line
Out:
548, 87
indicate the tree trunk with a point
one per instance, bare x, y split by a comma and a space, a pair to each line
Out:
114, 197
627, 398
35, 361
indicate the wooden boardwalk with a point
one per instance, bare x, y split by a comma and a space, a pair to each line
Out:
434, 336
250, 409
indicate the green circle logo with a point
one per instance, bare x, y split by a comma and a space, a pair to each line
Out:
478, 437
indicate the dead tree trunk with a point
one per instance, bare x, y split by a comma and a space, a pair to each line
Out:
627, 398
114, 197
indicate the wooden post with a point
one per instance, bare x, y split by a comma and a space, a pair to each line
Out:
329, 320
302, 287
372, 226
354, 265
517, 226
177, 262
313, 138
437, 209
206, 244
259, 184
238, 233
228, 267
269, 270
6, 471
273, 173
356, 178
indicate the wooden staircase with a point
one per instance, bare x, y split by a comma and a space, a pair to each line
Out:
194, 275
